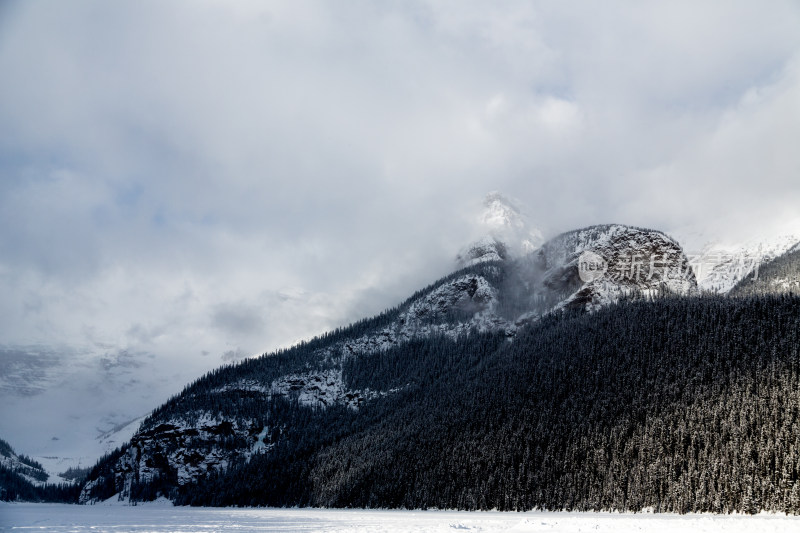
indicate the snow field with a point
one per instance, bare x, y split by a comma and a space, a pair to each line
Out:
163, 518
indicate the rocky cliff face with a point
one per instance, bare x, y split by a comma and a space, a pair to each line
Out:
177, 453
600, 264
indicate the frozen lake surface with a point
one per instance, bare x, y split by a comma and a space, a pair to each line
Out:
25, 517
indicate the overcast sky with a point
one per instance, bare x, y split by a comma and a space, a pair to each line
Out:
203, 180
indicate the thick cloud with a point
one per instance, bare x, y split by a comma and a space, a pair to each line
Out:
197, 181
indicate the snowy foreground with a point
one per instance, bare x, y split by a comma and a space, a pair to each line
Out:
164, 518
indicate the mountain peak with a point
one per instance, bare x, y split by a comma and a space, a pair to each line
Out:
506, 231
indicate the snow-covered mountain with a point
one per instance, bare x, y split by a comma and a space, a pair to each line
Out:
600, 264
79, 404
721, 258
508, 280
506, 233
780, 275
485, 420
28, 469
494, 296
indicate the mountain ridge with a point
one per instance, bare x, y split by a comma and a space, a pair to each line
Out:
332, 388
493, 299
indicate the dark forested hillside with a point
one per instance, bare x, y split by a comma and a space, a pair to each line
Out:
681, 405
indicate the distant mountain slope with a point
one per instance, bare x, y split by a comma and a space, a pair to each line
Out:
778, 276
76, 402
22, 478
27, 468
720, 262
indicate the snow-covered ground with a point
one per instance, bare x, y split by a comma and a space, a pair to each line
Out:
163, 518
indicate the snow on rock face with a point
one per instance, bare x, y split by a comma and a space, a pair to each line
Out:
481, 251
321, 389
469, 294
507, 233
455, 307
600, 264
190, 450
451, 309
507, 221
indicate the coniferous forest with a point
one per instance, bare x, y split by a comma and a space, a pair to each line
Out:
685, 404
